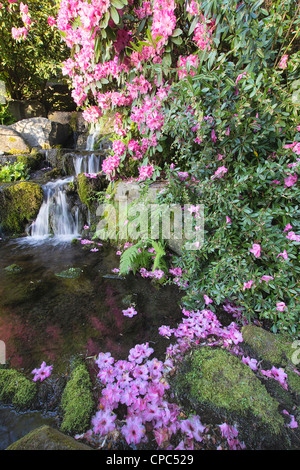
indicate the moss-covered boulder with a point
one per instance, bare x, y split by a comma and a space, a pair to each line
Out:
47, 438
274, 350
215, 382
19, 204
88, 188
32, 161
16, 389
77, 401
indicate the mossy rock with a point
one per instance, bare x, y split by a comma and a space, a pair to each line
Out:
47, 438
266, 345
77, 402
31, 161
217, 379
19, 204
16, 389
71, 273
274, 350
13, 268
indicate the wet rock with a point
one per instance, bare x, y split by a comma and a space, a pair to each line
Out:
13, 268
47, 438
70, 273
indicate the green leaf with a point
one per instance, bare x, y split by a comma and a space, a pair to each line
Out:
115, 15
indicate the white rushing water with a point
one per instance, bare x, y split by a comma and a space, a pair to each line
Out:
56, 220
89, 163
55, 217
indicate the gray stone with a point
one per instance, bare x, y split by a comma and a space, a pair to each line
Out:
47, 438
11, 141
42, 132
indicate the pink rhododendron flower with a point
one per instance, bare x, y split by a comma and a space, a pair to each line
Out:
277, 374
283, 62
283, 254
51, 21
290, 181
255, 250
42, 373
207, 300
19, 34
145, 172
252, 363
220, 172
247, 285
292, 236
287, 227
266, 278
280, 306
92, 114
228, 220
103, 422
129, 312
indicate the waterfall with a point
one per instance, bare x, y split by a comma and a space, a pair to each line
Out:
89, 163
55, 216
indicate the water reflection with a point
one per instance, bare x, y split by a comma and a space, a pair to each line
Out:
44, 317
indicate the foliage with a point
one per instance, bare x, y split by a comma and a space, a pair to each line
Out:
13, 172
141, 254
214, 90
5, 117
27, 64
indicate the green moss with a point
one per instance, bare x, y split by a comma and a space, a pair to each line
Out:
70, 273
77, 401
266, 345
16, 388
31, 161
85, 190
19, 204
220, 380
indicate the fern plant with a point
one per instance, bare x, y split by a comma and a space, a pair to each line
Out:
138, 255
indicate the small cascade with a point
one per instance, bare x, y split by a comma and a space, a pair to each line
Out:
89, 163
55, 216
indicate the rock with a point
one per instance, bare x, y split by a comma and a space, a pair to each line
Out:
16, 389
77, 401
71, 273
47, 438
12, 141
266, 345
19, 205
213, 381
42, 132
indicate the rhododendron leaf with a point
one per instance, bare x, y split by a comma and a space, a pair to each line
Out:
115, 15
177, 32
193, 25
118, 4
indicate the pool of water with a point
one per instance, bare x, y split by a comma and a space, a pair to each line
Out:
14, 426
46, 317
